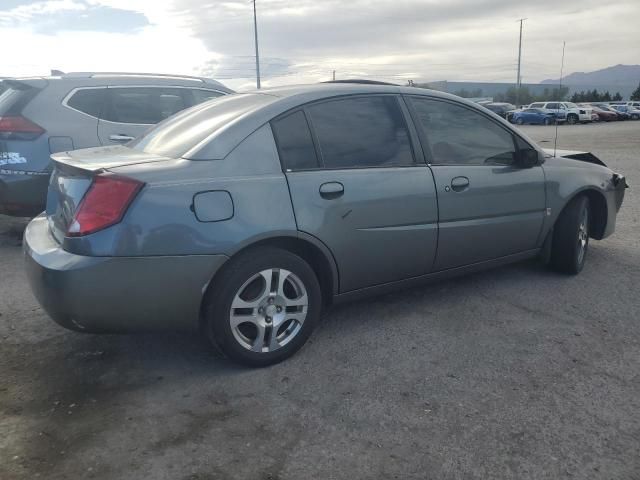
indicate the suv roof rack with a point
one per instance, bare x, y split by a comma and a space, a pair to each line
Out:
362, 81
135, 74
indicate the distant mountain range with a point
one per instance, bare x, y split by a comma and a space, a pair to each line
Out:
626, 75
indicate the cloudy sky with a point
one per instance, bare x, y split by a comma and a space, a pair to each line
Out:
305, 40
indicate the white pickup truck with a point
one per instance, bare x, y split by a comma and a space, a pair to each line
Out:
565, 111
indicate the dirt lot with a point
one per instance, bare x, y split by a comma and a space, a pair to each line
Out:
514, 373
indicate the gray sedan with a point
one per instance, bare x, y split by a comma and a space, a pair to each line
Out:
245, 216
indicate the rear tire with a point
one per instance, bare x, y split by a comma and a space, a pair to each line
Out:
263, 307
519, 121
571, 237
547, 121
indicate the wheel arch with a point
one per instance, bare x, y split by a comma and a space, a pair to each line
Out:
309, 248
598, 215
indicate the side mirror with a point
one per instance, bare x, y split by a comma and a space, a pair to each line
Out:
528, 158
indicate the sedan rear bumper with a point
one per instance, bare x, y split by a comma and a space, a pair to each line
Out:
116, 294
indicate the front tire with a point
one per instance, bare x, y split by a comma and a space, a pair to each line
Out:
572, 119
263, 307
547, 121
519, 121
571, 237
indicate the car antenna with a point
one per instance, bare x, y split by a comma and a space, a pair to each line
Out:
555, 141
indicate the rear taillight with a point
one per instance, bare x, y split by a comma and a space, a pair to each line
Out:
17, 127
104, 204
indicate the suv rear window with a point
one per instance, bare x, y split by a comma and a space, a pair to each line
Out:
15, 97
142, 105
88, 100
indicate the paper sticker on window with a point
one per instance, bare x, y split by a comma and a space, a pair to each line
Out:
11, 158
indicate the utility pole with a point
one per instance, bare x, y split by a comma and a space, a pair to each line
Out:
255, 31
334, 75
519, 78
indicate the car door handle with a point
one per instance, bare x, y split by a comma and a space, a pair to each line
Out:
458, 184
120, 137
331, 190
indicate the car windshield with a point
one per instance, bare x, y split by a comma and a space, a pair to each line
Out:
571, 105
178, 134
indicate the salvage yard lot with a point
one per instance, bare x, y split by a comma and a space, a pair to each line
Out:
513, 373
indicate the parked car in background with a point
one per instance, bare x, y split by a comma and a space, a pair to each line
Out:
608, 108
565, 111
45, 115
603, 115
535, 116
630, 103
245, 216
634, 113
500, 108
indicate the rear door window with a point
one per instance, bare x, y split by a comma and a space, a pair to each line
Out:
361, 132
88, 100
200, 95
142, 105
295, 145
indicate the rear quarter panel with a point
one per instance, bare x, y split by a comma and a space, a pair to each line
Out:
160, 221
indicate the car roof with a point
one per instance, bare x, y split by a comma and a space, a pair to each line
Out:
283, 99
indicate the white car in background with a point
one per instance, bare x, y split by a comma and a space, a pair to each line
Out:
565, 111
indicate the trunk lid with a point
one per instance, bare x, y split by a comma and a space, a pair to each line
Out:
73, 173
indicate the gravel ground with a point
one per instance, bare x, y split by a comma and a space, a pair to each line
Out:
513, 373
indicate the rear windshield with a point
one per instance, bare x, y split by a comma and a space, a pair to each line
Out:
178, 134
12, 99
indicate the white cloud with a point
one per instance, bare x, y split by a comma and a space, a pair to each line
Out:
305, 40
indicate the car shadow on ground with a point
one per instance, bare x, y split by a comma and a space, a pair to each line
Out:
12, 230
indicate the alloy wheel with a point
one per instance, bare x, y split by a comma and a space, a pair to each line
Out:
268, 310
583, 235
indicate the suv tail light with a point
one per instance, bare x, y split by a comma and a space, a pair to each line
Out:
17, 127
104, 204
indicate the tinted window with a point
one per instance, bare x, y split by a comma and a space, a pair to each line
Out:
200, 96
295, 145
146, 105
88, 100
459, 135
361, 132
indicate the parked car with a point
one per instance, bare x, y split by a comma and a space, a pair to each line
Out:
630, 103
634, 113
535, 116
603, 115
565, 111
247, 215
607, 108
500, 109
41, 116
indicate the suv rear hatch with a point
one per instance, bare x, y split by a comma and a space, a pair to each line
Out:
18, 134
75, 173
